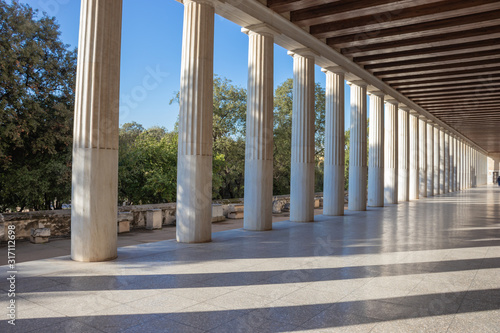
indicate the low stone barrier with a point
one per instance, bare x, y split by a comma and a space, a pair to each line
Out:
130, 217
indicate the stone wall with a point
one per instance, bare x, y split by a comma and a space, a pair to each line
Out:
59, 221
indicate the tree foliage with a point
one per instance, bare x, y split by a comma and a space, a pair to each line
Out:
37, 76
283, 104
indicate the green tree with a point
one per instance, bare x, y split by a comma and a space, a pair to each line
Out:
147, 165
229, 118
37, 75
283, 104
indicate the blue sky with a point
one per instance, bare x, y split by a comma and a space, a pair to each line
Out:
151, 41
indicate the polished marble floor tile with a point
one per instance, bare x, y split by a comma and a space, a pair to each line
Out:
430, 265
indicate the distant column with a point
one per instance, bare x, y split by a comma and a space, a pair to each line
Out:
455, 169
357, 152
302, 168
391, 152
437, 160
442, 162
258, 211
404, 156
422, 158
94, 193
446, 187
376, 151
414, 157
194, 164
430, 159
334, 164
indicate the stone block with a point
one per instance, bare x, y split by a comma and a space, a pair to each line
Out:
123, 226
316, 203
39, 235
153, 219
237, 212
217, 213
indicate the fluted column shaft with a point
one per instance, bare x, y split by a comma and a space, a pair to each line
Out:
391, 153
376, 151
258, 211
334, 164
194, 165
94, 194
455, 166
437, 160
302, 168
442, 162
357, 153
447, 163
404, 155
414, 157
430, 160
422, 158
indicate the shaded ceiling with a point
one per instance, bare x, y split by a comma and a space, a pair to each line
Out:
443, 55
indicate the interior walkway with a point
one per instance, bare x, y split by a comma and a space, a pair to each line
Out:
431, 265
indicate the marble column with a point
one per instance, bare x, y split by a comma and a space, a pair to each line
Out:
455, 166
404, 155
463, 166
376, 151
446, 187
459, 164
422, 157
391, 152
334, 163
94, 194
194, 165
302, 168
414, 157
357, 153
430, 159
442, 161
437, 160
258, 212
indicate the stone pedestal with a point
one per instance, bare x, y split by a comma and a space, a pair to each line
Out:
40, 235
376, 151
391, 153
302, 166
259, 130
403, 154
95, 137
153, 219
414, 171
334, 163
357, 152
194, 166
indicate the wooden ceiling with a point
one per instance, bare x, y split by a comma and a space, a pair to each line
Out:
443, 55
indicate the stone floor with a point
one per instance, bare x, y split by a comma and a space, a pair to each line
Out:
26, 251
431, 265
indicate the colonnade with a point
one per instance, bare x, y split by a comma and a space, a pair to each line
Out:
410, 156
